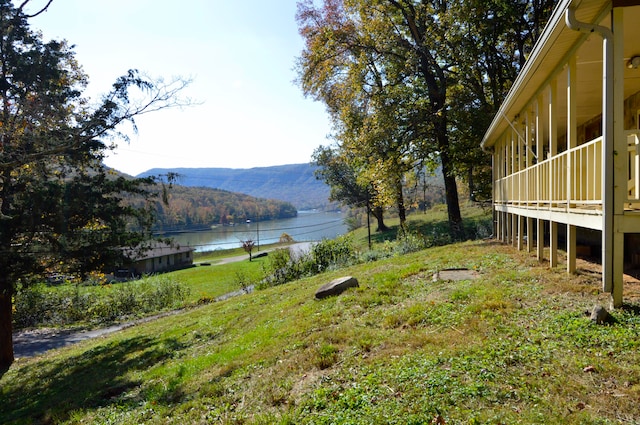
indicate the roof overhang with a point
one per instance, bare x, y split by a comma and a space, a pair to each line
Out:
552, 51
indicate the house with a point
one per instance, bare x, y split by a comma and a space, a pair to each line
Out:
565, 143
160, 257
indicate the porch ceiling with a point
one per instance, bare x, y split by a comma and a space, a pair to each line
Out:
552, 52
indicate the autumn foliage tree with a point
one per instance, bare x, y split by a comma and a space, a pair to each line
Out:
383, 74
60, 209
410, 83
348, 185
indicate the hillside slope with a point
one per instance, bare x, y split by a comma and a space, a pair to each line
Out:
512, 346
195, 208
294, 183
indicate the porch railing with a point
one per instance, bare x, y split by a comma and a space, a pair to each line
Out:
633, 151
546, 184
572, 178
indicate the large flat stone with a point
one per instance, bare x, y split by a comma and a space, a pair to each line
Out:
336, 287
456, 274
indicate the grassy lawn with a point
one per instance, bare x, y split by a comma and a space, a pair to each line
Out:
511, 347
221, 254
209, 282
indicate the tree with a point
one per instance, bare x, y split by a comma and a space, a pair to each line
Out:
346, 185
411, 82
248, 246
491, 42
60, 208
370, 100
379, 68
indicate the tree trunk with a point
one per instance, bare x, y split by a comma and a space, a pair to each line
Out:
6, 327
377, 212
451, 195
402, 212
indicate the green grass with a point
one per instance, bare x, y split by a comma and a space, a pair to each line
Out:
511, 347
209, 282
434, 224
217, 255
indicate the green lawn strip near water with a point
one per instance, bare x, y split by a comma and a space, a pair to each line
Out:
511, 347
220, 254
209, 282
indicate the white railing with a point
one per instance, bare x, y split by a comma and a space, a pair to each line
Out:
547, 183
633, 150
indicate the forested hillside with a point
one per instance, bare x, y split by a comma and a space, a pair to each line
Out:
191, 208
294, 183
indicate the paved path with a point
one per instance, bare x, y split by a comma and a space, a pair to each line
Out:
34, 342
29, 343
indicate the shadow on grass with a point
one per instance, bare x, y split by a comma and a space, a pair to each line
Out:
99, 377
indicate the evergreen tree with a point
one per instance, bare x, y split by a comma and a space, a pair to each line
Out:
60, 209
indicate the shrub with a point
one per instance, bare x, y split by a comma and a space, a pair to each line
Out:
411, 242
282, 268
285, 238
40, 305
333, 252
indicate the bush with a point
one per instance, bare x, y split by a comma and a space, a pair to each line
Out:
285, 238
333, 252
40, 305
282, 268
411, 242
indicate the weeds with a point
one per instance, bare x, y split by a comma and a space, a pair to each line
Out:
326, 355
40, 305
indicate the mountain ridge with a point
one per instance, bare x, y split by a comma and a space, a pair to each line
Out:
294, 183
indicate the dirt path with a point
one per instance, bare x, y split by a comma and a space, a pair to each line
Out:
29, 343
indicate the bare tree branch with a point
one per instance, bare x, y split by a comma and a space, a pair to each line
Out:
44, 9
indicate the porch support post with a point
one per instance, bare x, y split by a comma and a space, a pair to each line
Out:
607, 139
553, 139
620, 165
505, 228
571, 173
539, 150
571, 248
553, 244
515, 229
552, 120
520, 232
494, 213
553, 173
539, 130
529, 234
540, 240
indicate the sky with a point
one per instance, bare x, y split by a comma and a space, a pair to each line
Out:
240, 56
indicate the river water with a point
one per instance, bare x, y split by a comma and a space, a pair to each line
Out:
307, 226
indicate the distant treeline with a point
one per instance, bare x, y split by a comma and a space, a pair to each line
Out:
193, 208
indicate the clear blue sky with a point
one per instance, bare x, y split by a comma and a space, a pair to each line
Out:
241, 57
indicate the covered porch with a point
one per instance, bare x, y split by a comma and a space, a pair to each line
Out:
566, 142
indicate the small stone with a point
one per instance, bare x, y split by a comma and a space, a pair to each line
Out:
599, 315
336, 287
